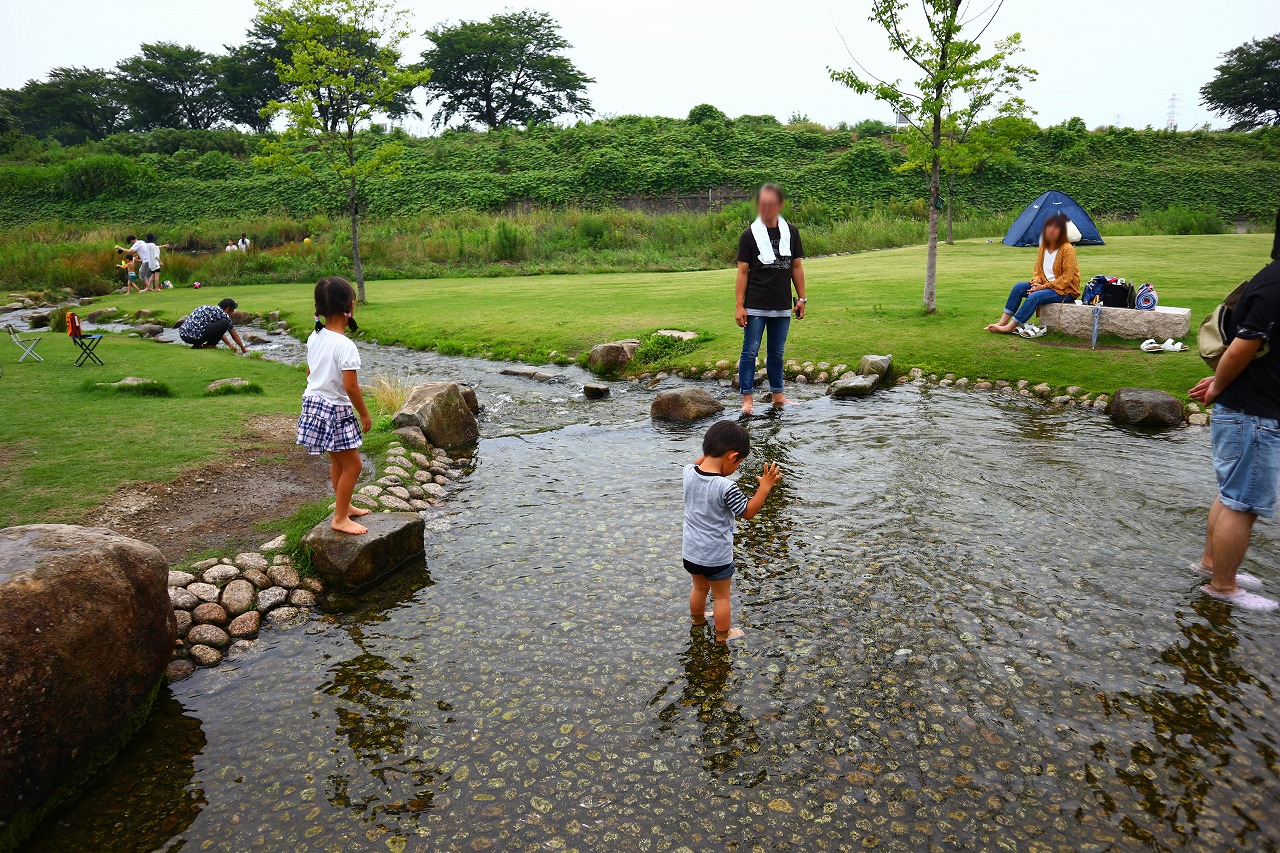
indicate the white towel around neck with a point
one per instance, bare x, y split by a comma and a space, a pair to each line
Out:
761, 233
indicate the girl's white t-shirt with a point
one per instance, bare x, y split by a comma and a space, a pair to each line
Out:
1048, 264
328, 354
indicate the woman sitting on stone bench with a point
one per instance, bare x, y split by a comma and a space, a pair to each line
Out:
1056, 278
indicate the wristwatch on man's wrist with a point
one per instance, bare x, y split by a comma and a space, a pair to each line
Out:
802, 300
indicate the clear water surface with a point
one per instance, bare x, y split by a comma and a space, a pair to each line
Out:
969, 626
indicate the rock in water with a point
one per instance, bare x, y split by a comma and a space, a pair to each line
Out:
440, 410
611, 358
853, 386
469, 394
245, 625
208, 635
595, 391
351, 563
86, 633
685, 404
1145, 407
880, 366
178, 670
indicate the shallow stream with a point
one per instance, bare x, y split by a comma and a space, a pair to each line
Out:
969, 625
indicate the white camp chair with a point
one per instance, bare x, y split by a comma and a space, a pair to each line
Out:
27, 345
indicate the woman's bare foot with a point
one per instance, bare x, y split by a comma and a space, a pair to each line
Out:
999, 329
732, 634
346, 525
780, 400
748, 404
356, 512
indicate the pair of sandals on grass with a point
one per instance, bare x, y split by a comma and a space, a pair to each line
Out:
1170, 345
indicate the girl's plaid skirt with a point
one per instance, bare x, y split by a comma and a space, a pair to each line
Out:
326, 426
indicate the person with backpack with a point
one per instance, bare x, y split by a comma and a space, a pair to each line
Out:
1244, 392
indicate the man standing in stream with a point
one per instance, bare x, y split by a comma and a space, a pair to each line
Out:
1245, 394
769, 254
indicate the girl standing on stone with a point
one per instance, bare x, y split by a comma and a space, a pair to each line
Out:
329, 405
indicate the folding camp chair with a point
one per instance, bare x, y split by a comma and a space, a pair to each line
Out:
27, 345
85, 343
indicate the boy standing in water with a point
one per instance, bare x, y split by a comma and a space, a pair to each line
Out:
711, 503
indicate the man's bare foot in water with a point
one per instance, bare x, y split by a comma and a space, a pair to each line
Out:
356, 512
748, 404
349, 526
780, 400
732, 634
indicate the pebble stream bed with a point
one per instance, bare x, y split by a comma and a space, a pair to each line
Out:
969, 625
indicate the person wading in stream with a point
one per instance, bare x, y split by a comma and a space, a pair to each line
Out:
769, 254
1245, 394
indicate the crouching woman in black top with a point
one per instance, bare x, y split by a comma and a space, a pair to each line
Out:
769, 254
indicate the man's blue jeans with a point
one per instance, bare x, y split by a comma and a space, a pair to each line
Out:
777, 328
1021, 293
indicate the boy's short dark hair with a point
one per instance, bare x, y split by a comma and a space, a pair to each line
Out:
228, 304
724, 437
130, 238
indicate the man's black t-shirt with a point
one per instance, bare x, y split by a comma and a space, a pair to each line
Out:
768, 287
1256, 391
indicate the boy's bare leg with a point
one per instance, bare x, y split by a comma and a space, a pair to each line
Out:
698, 599
348, 462
723, 611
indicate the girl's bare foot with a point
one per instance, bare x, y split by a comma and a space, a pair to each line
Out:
349, 526
732, 634
356, 512
748, 404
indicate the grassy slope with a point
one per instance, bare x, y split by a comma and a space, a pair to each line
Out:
861, 303
66, 448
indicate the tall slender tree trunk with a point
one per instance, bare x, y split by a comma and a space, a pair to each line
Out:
354, 209
931, 266
951, 194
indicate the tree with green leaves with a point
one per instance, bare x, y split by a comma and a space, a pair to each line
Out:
72, 105
1247, 88
344, 70
171, 85
247, 78
507, 71
970, 144
957, 79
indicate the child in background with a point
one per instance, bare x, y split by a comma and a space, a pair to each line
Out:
711, 503
130, 266
328, 422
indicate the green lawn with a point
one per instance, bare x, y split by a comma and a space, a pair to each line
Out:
66, 447
861, 303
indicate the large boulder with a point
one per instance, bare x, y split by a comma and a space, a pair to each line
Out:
1145, 407
441, 411
86, 630
349, 563
685, 404
612, 358
853, 386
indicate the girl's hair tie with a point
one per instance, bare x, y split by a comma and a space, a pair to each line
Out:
319, 323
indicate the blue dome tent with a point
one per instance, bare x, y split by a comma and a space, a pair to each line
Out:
1025, 230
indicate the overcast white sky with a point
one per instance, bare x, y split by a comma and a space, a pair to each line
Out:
1098, 59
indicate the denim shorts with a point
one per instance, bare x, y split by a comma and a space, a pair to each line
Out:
711, 573
1246, 458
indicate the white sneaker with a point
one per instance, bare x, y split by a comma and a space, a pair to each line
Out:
1242, 578
1243, 598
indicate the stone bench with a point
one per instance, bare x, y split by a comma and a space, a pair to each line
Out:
1077, 320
